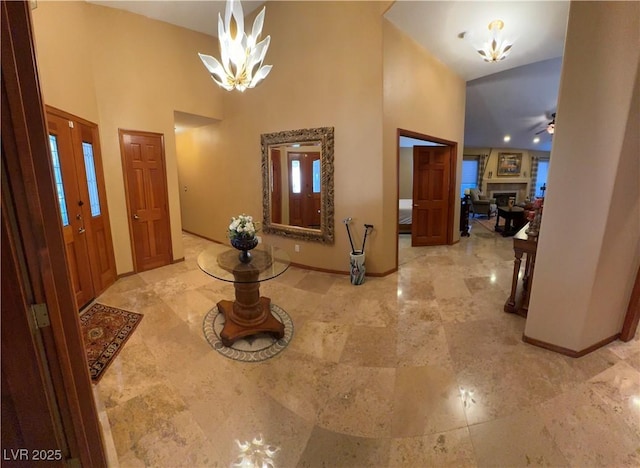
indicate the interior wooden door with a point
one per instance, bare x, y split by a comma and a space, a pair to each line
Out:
431, 179
304, 189
73, 209
147, 200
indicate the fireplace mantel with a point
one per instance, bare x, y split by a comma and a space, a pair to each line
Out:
519, 186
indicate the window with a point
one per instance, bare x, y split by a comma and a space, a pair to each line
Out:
469, 175
92, 183
57, 175
316, 176
541, 178
295, 176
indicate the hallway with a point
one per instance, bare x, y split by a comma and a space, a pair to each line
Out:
419, 368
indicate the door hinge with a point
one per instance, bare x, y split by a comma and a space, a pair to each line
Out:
41, 315
70, 123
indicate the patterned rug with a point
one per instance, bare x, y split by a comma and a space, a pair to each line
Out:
488, 224
105, 330
256, 348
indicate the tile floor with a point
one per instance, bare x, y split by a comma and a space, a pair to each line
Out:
420, 368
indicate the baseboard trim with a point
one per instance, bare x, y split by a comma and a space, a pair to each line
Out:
201, 236
567, 351
300, 265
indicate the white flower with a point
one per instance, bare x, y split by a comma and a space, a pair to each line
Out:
242, 226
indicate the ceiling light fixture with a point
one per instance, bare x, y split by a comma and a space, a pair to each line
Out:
507, 139
551, 128
496, 48
241, 55
536, 140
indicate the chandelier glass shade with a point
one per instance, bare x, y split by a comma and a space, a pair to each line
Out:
496, 48
241, 55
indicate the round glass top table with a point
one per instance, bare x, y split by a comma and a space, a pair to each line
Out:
249, 314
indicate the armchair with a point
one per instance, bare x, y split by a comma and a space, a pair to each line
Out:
481, 204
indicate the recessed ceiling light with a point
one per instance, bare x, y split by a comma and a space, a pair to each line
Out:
536, 140
507, 138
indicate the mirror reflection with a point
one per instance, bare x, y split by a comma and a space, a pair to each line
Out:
297, 174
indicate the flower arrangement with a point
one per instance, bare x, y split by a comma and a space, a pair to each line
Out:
242, 227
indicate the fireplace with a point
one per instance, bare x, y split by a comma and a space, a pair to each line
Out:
500, 190
502, 198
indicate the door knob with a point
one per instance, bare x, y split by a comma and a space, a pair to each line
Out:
135, 216
81, 230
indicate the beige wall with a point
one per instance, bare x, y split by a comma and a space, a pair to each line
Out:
588, 251
421, 95
343, 66
405, 173
121, 70
327, 73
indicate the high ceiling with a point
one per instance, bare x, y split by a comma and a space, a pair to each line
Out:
514, 97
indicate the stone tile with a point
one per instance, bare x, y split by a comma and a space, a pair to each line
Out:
322, 340
370, 346
405, 370
177, 348
450, 287
267, 420
298, 382
315, 282
191, 306
329, 449
132, 373
517, 440
619, 387
426, 401
359, 402
422, 343
444, 449
576, 421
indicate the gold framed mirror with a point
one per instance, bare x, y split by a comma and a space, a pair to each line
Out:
297, 184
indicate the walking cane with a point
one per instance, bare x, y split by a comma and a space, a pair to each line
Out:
346, 222
366, 231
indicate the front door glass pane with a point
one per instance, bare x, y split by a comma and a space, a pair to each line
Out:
57, 175
92, 183
295, 176
316, 176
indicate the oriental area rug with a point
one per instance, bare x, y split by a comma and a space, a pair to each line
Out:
105, 330
256, 348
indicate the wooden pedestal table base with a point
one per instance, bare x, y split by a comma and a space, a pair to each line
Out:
249, 314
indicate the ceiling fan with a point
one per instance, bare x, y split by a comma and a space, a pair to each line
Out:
551, 126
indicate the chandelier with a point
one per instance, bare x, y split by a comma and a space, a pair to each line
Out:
496, 48
241, 55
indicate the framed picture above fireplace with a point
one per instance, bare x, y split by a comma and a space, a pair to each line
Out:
509, 164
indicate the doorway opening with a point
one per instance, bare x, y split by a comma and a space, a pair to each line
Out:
426, 192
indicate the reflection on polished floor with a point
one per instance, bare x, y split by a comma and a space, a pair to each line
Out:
420, 368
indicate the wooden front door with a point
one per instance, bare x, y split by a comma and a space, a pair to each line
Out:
304, 190
431, 179
77, 165
147, 202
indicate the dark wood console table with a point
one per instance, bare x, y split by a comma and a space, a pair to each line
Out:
522, 245
249, 314
513, 220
